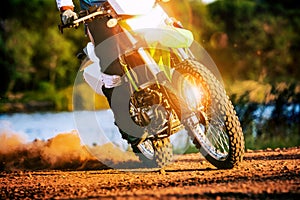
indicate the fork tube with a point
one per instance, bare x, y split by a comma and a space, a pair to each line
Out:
150, 62
146, 57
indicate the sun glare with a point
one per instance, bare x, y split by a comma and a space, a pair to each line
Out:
192, 93
153, 19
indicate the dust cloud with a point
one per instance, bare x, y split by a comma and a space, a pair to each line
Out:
64, 152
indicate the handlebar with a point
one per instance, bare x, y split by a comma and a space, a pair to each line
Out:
76, 22
93, 14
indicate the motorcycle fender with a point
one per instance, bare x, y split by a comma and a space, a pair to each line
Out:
169, 37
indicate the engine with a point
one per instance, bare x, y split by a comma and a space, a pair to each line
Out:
148, 109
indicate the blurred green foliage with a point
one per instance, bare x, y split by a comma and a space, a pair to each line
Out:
32, 48
255, 40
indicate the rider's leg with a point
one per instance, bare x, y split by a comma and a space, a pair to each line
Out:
99, 32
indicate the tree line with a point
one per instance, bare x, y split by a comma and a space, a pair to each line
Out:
248, 39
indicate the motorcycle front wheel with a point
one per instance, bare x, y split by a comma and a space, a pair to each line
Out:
213, 125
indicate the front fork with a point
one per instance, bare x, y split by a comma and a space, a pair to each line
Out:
162, 78
155, 67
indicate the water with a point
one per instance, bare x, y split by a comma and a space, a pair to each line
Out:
44, 126
41, 126
94, 127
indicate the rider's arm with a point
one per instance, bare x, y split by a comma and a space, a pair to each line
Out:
66, 7
63, 5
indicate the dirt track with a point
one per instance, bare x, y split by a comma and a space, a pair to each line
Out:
273, 174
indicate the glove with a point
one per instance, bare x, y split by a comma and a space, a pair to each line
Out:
68, 16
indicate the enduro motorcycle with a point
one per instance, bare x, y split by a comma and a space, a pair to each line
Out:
169, 85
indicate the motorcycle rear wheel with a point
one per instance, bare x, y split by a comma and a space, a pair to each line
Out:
222, 141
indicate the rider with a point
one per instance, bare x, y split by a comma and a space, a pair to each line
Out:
111, 76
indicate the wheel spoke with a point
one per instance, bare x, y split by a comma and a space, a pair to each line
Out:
218, 133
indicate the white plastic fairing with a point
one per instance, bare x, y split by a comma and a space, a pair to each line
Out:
91, 73
92, 76
91, 52
132, 7
154, 18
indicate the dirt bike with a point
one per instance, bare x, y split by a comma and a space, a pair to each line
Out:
169, 85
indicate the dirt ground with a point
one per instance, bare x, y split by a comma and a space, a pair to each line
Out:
268, 174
